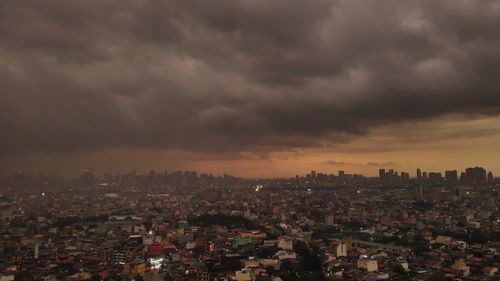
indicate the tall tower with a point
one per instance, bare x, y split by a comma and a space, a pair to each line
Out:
420, 190
341, 175
381, 174
313, 177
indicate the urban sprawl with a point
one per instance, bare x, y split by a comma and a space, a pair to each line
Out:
188, 226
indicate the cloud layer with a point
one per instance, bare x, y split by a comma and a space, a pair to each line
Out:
237, 76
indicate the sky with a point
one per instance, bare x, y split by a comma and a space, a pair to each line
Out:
252, 88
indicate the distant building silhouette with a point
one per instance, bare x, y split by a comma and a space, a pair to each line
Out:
314, 178
435, 177
381, 174
420, 192
88, 177
341, 175
405, 177
475, 176
490, 177
451, 176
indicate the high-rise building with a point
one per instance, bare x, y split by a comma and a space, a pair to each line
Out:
314, 178
152, 177
381, 174
462, 177
419, 174
435, 177
490, 177
451, 176
420, 192
458, 193
475, 176
405, 177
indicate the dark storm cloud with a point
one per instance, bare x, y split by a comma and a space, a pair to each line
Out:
237, 75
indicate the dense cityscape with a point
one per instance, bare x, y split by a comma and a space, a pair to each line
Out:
185, 226
249, 140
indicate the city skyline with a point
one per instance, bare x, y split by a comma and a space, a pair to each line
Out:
449, 174
369, 168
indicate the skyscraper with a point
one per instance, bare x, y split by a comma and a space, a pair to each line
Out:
451, 176
381, 174
475, 176
435, 177
341, 174
419, 174
420, 192
405, 177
